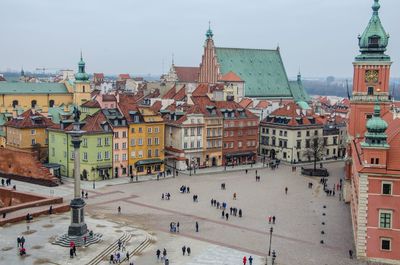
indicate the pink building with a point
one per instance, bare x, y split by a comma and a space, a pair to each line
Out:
373, 170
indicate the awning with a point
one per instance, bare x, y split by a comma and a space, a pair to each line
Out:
240, 154
148, 162
104, 166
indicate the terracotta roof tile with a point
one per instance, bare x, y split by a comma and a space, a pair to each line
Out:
170, 93
91, 104
201, 90
30, 119
124, 76
231, 77
181, 94
187, 74
262, 104
246, 103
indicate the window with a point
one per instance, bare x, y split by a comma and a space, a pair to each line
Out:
148, 141
123, 145
377, 161
124, 134
140, 141
106, 155
116, 134
85, 157
84, 142
33, 141
123, 157
149, 130
386, 244
149, 153
133, 154
116, 146
368, 116
198, 144
298, 134
156, 141
335, 140
280, 133
15, 103
192, 144
99, 155
370, 91
133, 142
185, 145
33, 104
186, 132
273, 132
385, 219
132, 130
65, 154
208, 132
315, 132
98, 141
53, 151
199, 131
325, 140
327, 152
298, 144
33, 132
156, 130
285, 133
107, 141
140, 154
156, 153
308, 133
192, 131
116, 157
140, 130
387, 188
307, 143
240, 144
284, 155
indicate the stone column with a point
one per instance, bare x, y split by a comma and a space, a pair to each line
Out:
78, 227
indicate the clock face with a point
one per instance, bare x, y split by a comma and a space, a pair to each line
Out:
372, 76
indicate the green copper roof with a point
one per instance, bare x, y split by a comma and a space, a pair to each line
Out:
298, 91
376, 128
374, 40
32, 88
81, 75
262, 71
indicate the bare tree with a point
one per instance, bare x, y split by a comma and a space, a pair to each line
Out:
316, 150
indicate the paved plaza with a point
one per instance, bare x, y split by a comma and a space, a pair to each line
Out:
296, 234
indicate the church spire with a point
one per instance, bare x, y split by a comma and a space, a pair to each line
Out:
376, 129
81, 75
209, 33
374, 40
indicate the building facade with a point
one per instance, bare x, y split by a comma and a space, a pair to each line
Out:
372, 171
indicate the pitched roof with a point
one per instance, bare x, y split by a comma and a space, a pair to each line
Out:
98, 75
262, 70
92, 123
124, 76
262, 104
187, 74
231, 77
156, 107
181, 94
30, 119
32, 88
246, 102
91, 104
170, 93
108, 97
201, 90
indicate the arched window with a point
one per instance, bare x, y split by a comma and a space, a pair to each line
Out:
15, 103
51, 103
83, 89
33, 103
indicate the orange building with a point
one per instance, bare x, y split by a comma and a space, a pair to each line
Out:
373, 170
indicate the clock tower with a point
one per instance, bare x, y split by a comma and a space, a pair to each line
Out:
371, 76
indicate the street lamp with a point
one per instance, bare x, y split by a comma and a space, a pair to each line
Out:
271, 230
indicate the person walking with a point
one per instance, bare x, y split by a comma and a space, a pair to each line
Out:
119, 209
183, 250
227, 216
234, 196
127, 255
269, 219
188, 251
250, 260
273, 219
177, 227
244, 260
197, 226
158, 253
240, 212
286, 190
23, 241
74, 250
18, 241
351, 254
223, 214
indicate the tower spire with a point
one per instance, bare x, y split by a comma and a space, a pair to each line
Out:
209, 33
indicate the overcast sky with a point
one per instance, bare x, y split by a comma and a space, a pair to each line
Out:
127, 36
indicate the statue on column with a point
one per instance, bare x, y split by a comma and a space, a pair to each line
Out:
77, 114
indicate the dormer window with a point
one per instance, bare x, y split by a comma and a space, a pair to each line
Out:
373, 42
136, 118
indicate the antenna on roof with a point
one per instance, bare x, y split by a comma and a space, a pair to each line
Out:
173, 59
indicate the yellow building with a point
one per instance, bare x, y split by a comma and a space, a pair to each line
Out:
28, 132
17, 97
145, 139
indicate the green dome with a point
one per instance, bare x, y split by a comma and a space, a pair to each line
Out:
81, 75
376, 124
374, 40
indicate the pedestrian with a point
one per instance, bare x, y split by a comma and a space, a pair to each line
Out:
86, 195
164, 252
188, 251
22, 241
119, 209
227, 216
234, 196
158, 252
83, 194
127, 255
212, 202
333, 192
111, 258
230, 210
244, 260
74, 250
183, 250
119, 244
18, 241
240, 212
286, 189
273, 219
51, 209
71, 253
197, 226
162, 196
177, 226
351, 254
223, 214
2, 182
269, 219
246, 171
188, 190
250, 260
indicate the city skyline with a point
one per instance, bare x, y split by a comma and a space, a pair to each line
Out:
116, 46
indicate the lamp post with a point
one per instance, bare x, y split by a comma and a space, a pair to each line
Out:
271, 230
